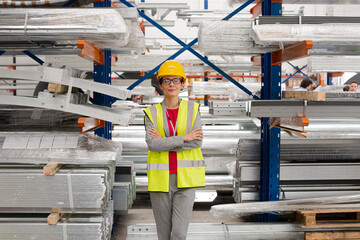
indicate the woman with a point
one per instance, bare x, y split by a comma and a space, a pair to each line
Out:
175, 162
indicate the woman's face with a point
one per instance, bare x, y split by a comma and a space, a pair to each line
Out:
171, 85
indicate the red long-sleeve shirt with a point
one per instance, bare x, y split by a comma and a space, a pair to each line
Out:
173, 114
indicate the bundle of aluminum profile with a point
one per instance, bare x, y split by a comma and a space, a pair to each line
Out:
321, 34
304, 150
309, 167
76, 227
73, 190
228, 38
333, 64
62, 148
105, 28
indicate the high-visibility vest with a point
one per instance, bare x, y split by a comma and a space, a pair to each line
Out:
190, 163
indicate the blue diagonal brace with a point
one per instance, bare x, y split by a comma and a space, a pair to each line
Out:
188, 47
304, 74
2, 52
35, 58
297, 70
69, 3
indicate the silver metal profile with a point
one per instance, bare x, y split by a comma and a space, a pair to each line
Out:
312, 109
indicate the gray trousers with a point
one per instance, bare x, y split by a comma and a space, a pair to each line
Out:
173, 210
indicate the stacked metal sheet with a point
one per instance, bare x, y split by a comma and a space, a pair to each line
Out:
104, 28
83, 185
314, 167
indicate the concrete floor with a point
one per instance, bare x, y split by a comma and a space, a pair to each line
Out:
141, 212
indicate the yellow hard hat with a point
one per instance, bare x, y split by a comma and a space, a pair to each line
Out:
171, 67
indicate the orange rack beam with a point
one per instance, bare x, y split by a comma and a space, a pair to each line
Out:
335, 74
291, 52
256, 10
90, 52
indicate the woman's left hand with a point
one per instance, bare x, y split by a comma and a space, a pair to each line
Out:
154, 133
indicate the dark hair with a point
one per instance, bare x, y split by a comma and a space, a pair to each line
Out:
354, 82
346, 88
305, 83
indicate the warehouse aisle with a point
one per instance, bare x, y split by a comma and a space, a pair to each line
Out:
141, 212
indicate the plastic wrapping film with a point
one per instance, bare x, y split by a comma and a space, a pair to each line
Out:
42, 3
225, 88
227, 38
64, 148
136, 38
241, 209
104, 28
321, 34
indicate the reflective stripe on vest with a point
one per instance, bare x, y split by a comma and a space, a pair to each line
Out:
158, 166
189, 163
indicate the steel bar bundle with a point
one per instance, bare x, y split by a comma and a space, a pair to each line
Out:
228, 38
76, 227
73, 190
104, 28
62, 148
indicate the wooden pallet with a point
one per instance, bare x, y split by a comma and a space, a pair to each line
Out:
308, 218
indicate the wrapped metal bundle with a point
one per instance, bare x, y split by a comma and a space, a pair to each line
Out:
136, 37
64, 148
105, 28
227, 38
85, 190
321, 34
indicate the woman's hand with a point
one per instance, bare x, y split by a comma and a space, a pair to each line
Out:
154, 133
195, 134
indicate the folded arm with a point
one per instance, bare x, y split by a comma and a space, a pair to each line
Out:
156, 143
